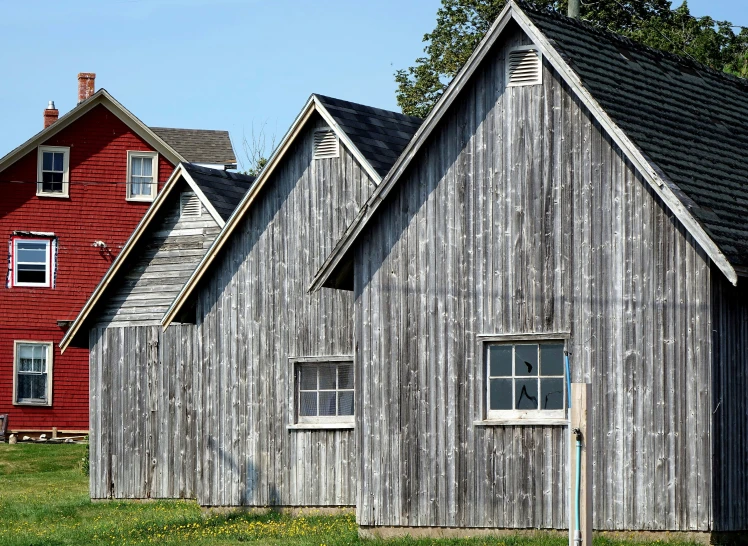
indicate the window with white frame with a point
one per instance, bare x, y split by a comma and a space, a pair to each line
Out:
324, 392
32, 262
142, 175
525, 380
53, 166
32, 381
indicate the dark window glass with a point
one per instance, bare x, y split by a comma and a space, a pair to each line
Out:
501, 394
552, 359
526, 394
500, 360
525, 360
552, 394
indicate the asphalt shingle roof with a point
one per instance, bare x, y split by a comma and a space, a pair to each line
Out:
223, 189
380, 135
691, 121
199, 145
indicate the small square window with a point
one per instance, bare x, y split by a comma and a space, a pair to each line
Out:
324, 392
32, 377
525, 380
32, 262
53, 171
142, 175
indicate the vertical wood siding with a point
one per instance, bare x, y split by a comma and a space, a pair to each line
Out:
254, 313
521, 216
730, 414
143, 429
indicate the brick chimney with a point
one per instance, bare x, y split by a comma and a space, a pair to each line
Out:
86, 85
50, 114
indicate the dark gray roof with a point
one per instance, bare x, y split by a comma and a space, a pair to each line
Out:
691, 121
380, 135
199, 145
222, 188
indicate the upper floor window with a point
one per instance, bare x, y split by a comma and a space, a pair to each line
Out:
324, 392
53, 166
32, 262
142, 175
525, 380
32, 378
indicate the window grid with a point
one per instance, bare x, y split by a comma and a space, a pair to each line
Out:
336, 397
538, 377
53, 172
32, 373
142, 175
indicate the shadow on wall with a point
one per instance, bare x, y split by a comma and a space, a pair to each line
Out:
251, 474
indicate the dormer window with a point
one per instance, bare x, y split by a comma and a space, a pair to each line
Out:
142, 175
53, 171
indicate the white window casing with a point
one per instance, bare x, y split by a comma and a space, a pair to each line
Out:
323, 392
326, 144
142, 175
32, 262
524, 66
53, 171
525, 380
32, 373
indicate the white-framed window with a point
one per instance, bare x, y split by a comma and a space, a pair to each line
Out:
32, 373
142, 175
53, 171
525, 380
32, 262
324, 392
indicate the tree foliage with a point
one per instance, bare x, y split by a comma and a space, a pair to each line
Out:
461, 24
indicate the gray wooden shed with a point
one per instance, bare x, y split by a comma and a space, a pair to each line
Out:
575, 191
142, 382
262, 440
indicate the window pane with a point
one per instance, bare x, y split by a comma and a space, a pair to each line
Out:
36, 274
30, 252
58, 161
327, 376
526, 394
552, 359
146, 166
47, 161
51, 177
52, 187
500, 394
526, 360
551, 394
327, 407
345, 376
308, 404
32, 387
500, 360
345, 403
308, 378
137, 166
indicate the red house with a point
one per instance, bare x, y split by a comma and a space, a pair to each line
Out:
72, 194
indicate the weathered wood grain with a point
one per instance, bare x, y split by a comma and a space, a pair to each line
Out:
524, 217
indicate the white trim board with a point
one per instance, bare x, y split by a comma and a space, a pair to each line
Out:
668, 191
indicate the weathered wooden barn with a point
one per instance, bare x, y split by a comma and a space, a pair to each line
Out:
276, 421
571, 191
143, 383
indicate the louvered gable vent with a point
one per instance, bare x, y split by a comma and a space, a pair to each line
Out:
189, 205
524, 66
325, 144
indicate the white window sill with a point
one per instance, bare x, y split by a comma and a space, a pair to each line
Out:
55, 195
321, 426
41, 404
521, 422
140, 199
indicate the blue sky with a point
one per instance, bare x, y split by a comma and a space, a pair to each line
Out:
216, 64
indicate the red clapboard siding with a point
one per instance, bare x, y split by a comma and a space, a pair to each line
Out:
96, 210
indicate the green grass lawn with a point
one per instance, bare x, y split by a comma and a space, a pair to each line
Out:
44, 501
